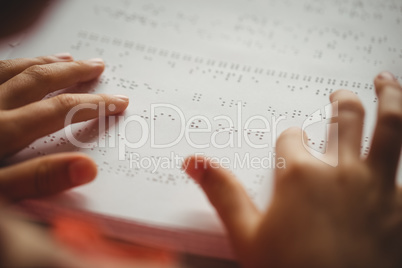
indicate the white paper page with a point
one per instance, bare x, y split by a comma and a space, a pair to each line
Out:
278, 60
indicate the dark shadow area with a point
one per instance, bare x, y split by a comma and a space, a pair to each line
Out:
17, 16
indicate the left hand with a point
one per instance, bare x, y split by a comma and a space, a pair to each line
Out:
25, 117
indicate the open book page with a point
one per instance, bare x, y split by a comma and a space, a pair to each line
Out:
215, 78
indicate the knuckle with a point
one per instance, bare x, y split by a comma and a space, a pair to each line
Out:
6, 65
101, 98
80, 66
44, 60
66, 101
40, 73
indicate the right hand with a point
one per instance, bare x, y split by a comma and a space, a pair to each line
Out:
320, 215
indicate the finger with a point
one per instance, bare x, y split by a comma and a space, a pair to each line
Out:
291, 148
10, 68
41, 118
349, 124
46, 175
387, 139
39, 80
236, 210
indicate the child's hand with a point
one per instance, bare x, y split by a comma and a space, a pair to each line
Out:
25, 117
322, 216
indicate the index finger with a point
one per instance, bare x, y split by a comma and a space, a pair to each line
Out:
387, 140
13, 67
37, 81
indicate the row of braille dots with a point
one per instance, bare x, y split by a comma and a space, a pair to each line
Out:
77, 46
211, 63
160, 115
59, 141
230, 129
149, 174
122, 170
337, 36
124, 83
372, 38
334, 33
294, 113
35, 148
293, 87
220, 74
231, 103
50, 139
365, 147
197, 97
375, 62
168, 178
362, 14
128, 84
321, 145
227, 75
318, 80
325, 92
114, 67
370, 43
126, 16
149, 9
214, 67
90, 133
338, 83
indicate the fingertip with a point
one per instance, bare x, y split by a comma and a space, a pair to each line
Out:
97, 64
82, 170
346, 100
122, 100
195, 167
334, 96
386, 80
119, 103
386, 76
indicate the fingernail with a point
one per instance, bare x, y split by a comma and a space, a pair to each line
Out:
387, 76
81, 171
96, 61
63, 56
122, 97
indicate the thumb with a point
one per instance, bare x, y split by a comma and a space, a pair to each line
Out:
236, 210
46, 175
